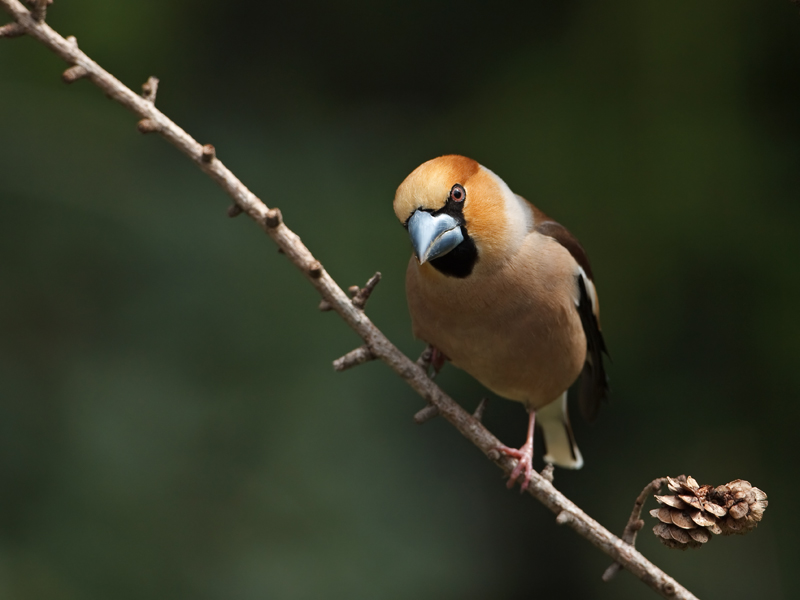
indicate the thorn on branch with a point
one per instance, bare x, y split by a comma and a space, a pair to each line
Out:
150, 89
324, 305
147, 126
208, 154
74, 73
426, 414
478, 414
274, 218
361, 296
315, 270
353, 358
11, 30
234, 210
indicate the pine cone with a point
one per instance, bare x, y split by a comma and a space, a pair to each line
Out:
744, 504
694, 512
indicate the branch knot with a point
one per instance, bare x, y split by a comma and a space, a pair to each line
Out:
150, 89
148, 126
274, 218
315, 269
208, 153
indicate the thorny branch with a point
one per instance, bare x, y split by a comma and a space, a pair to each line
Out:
375, 343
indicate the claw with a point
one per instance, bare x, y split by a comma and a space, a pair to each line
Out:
438, 359
524, 457
524, 466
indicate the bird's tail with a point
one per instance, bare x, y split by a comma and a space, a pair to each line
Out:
559, 442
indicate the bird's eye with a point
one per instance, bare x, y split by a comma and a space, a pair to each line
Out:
458, 193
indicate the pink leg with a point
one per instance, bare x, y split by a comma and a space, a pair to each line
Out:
524, 455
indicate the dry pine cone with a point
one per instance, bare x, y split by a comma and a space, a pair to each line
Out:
694, 512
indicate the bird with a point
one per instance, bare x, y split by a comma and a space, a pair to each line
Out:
507, 294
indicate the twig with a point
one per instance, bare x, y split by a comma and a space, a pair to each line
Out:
426, 414
11, 30
74, 73
373, 338
354, 358
635, 523
362, 295
39, 10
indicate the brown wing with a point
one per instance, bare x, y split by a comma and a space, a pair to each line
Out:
593, 387
547, 226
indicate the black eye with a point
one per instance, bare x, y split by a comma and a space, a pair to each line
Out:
458, 193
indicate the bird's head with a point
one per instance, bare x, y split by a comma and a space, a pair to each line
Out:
458, 212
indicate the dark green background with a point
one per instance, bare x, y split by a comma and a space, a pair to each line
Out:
170, 424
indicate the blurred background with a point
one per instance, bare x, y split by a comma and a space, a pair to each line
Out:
170, 424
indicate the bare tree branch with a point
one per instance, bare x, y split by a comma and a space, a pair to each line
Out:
153, 120
635, 523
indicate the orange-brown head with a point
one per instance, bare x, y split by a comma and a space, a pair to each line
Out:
458, 212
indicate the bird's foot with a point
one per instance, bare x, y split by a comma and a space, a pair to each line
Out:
438, 359
432, 360
524, 466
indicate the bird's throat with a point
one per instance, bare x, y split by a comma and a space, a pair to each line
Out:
460, 261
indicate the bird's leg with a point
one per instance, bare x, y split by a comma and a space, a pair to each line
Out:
438, 359
524, 456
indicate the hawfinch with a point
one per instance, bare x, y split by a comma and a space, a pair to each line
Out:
506, 294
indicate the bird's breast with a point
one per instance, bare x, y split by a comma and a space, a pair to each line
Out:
513, 326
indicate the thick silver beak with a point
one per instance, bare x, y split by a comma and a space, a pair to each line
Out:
433, 236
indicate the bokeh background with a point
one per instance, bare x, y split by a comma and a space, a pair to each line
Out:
170, 424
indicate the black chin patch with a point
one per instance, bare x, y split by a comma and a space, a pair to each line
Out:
460, 261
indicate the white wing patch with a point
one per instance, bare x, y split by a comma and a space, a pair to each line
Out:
589, 289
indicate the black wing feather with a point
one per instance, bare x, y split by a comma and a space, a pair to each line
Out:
593, 387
